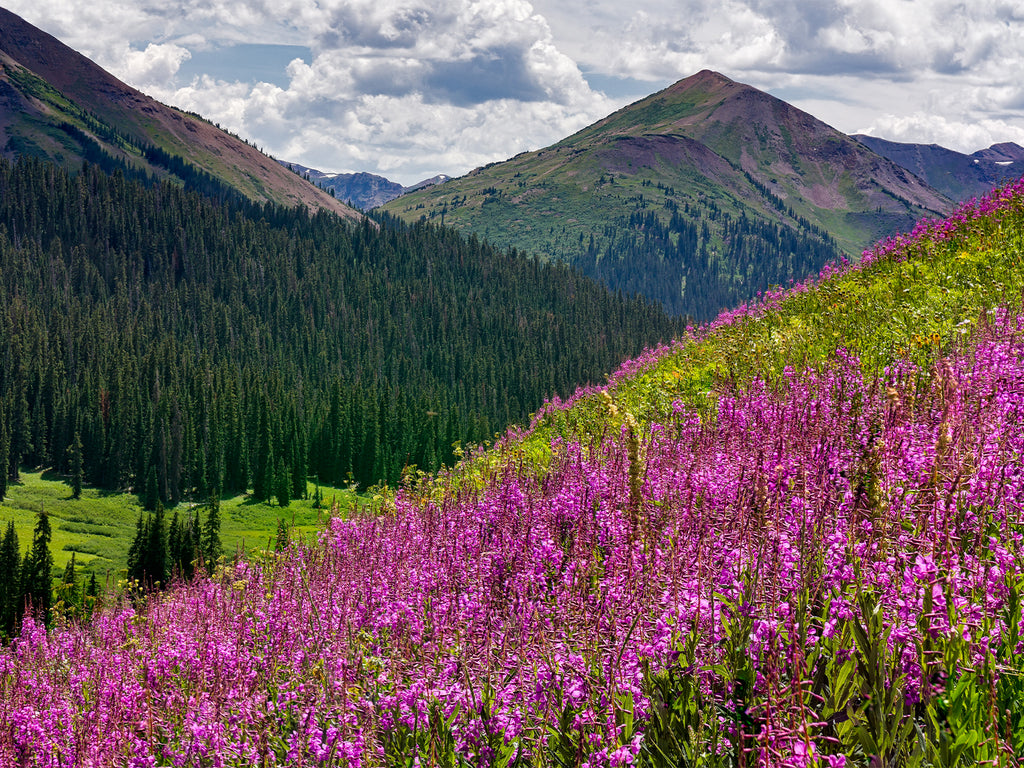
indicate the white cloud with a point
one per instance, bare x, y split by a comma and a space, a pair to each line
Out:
414, 87
157, 64
963, 136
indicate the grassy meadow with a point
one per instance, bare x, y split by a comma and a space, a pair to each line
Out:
99, 527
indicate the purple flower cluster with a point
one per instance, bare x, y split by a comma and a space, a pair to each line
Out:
533, 606
780, 532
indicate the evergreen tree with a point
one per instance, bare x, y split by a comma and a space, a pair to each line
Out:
37, 568
5, 451
92, 594
68, 588
10, 583
156, 550
283, 484
211, 546
175, 545
281, 542
137, 553
75, 465
265, 471
69, 571
152, 495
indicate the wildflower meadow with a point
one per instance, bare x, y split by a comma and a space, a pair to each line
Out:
793, 538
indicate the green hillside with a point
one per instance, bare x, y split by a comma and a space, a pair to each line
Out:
792, 538
195, 348
915, 297
699, 196
57, 105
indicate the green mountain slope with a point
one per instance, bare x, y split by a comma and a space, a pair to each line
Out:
745, 191
58, 105
196, 347
793, 538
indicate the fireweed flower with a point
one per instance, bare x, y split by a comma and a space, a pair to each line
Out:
526, 614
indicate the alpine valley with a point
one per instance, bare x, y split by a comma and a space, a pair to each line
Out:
176, 328
283, 483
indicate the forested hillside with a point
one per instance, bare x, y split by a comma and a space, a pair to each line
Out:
218, 347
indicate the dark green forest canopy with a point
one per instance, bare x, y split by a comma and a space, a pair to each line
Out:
219, 346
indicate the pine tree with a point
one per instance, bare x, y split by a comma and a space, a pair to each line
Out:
75, 465
156, 550
283, 484
37, 569
211, 546
282, 536
152, 495
69, 571
176, 546
91, 600
10, 592
137, 552
5, 454
298, 468
68, 588
264, 471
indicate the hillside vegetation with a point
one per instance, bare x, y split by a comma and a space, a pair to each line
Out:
698, 196
194, 348
57, 105
790, 539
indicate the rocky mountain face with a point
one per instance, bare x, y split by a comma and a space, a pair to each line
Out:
58, 105
957, 175
363, 190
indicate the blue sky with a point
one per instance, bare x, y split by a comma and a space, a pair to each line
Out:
412, 88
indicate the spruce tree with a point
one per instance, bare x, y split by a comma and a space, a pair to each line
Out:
37, 569
75, 465
152, 495
156, 550
283, 485
68, 588
210, 545
137, 552
92, 593
10, 586
176, 546
281, 542
5, 454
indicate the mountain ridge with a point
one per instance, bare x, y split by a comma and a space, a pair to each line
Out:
957, 175
58, 104
745, 191
361, 189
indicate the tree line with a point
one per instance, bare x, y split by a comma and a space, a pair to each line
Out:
674, 257
180, 347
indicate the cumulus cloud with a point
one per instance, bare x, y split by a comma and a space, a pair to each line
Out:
925, 128
158, 63
416, 87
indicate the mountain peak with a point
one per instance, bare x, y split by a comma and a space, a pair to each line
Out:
1006, 151
87, 112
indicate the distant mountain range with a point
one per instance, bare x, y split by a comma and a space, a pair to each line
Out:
954, 174
698, 196
363, 190
58, 105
